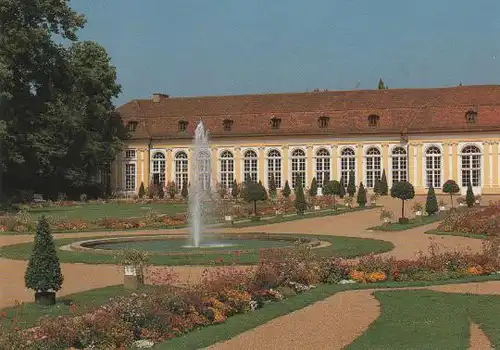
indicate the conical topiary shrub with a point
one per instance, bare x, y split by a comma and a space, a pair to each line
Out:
469, 196
361, 199
431, 204
351, 187
43, 274
383, 186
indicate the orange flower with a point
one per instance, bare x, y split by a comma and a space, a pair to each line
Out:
358, 276
376, 277
475, 270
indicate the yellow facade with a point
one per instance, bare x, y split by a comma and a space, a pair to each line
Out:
480, 164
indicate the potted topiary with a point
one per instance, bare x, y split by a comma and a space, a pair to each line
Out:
43, 274
134, 264
404, 191
451, 188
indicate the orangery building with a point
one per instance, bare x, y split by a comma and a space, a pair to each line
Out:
425, 136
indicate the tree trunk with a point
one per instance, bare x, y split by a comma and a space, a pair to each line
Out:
254, 208
403, 208
334, 203
451, 200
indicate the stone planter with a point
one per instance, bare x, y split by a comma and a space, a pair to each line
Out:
477, 202
45, 298
317, 207
130, 277
228, 218
461, 204
442, 208
403, 221
387, 220
418, 213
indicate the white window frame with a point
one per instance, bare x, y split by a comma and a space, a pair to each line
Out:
181, 169
474, 169
226, 167
274, 167
399, 164
433, 166
130, 178
251, 165
323, 164
298, 166
159, 166
347, 164
373, 166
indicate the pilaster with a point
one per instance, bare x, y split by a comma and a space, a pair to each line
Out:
360, 169
285, 170
238, 165
262, 164
334, 163
309, 165
168, 165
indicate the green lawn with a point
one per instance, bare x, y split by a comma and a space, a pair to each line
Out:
347, 247
90, 212
423, 319
414, 222
463, 234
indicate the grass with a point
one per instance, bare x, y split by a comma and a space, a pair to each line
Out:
414, 222
347, 247
456, 233
237, 324
424, 319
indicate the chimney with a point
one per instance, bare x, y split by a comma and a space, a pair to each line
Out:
157, 97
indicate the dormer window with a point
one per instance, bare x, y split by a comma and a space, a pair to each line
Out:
227, 124
373, 120
183, 125
275, 123
132, 126
323, 122
471, 117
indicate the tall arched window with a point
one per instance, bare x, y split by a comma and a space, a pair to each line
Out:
433, 167
226, 169
298, 167
373, 166
158, 169
471, 166
399, 165
322, 166
204, 164
274, 167
347, 165
181, 170
250, 166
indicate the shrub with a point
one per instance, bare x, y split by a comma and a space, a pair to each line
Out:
235, 190
300, 199
451, 187
469, 197
286, 190
361, 199
254, 192
384, 187
43, 273
431, 204
342, 188
184, 191
142, 191
351, 187
404, 191
171, 189
272, 187
332, 188
376, 186
313, 190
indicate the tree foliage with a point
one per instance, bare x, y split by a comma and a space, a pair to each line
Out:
451, 187
300, 198
342, 187
272, 187
313, 190
361, 199
185, 191
404, 191
142, 190
235, 190
286, 190
431, 204
332, 188
351, 186
383, 186
470, 199
44, 271
55, 101
254, 192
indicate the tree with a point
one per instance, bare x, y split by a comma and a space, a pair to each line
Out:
404, 191
253, 192
56, 101
469, 196
431, 204
376, 186
351, 187
313, 190
235, 191
342, 187
171, 189
184, 191
142, 191
381, 85
43, 274
384, 187
264, 192
361, 199
272, 187
451, 187
286, 190
332, 188
161, 192
300, 199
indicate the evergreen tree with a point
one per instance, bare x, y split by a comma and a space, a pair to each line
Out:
235, 191
351, 187
431, 204
469, 196
342, 187
142, 191
171, 189
263, 190
286, 190
361, 195
381, 85
161, 192
313, 190
451, 187
254, 192
184, 191
404, 191
43, 273
300, 199
272, 187
376, 186
384, 187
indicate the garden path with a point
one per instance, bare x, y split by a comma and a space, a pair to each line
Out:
291, 331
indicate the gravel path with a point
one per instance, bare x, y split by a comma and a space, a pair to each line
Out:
329, 324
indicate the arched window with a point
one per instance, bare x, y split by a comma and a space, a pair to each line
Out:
298, 167
399, 165
274, 167
204, 164
347, 165
250, 166
226, 169
322, 166
373, 166
471, 166
158, 169
433, 167
181, 170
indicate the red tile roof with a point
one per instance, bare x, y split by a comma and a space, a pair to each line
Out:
436, 110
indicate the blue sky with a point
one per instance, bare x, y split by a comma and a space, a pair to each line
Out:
200, 47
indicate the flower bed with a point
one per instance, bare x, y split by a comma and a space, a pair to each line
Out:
476, 221
164, 312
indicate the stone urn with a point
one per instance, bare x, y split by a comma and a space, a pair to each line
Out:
131, 277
